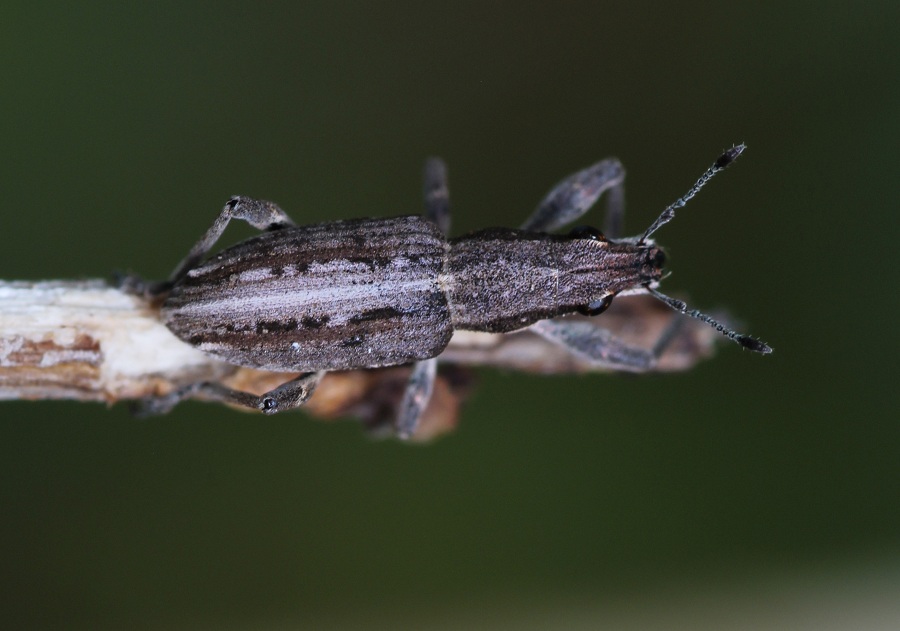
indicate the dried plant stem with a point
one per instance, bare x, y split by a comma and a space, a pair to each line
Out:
88, 341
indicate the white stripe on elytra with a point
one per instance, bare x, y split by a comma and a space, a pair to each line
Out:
287, 301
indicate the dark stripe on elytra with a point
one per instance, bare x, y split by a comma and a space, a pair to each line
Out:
314, 323
229, 271
372, 315
267, 332
261, 253
392, 342
249, 348
264, 327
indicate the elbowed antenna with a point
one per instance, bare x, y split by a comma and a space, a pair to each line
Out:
665, 217
669, 213
744, 340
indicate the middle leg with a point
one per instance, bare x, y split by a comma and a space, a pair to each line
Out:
421, 381
437, 197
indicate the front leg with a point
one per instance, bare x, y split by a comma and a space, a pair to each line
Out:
603, 349
575, 195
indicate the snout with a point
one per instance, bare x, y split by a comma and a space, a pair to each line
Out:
654, 262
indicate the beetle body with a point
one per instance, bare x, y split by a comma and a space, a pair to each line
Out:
369, 293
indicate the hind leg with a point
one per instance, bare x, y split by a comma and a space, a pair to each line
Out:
287, 396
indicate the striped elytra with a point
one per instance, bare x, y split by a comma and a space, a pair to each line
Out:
379, 292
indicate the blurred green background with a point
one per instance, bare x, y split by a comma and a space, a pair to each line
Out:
751, 490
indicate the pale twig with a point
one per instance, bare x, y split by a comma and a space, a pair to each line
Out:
88, 341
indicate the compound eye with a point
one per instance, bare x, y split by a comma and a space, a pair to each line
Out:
587, 232
596, 307
659, 258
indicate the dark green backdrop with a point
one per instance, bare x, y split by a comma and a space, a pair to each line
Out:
123, 132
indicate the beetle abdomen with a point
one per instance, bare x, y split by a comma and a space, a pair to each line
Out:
333, 296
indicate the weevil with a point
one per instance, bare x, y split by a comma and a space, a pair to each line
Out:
370, 293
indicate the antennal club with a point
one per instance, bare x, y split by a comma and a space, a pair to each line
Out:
669, 213
744, 340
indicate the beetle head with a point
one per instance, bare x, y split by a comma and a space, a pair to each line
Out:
652, 259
